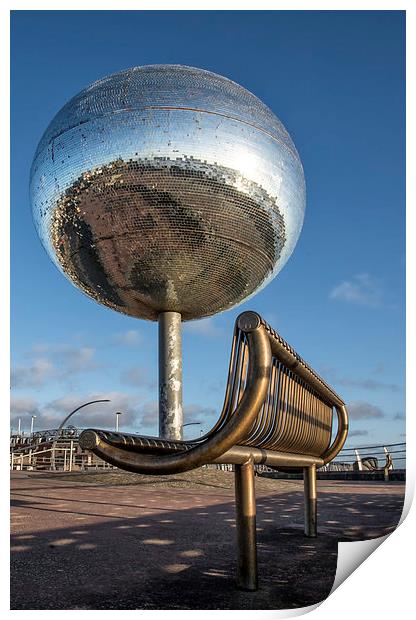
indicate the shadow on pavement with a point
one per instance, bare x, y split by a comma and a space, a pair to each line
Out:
181, 558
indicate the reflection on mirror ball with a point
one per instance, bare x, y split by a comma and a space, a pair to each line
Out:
167, 188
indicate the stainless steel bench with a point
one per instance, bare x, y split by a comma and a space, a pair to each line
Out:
277, 411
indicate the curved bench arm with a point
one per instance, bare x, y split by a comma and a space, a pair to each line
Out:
237, 427
341, 435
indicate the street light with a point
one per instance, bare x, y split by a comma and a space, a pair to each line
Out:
118, 413
31, 425
190, 423
58, 432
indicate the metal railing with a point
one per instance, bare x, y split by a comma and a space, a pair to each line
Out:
364, 458
37, 452
63, 454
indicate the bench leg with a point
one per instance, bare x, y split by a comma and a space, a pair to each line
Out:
245, 501
309, 479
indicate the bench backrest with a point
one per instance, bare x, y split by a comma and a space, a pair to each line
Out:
298, 411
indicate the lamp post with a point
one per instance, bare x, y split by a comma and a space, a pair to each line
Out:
58, 432
118, 413
190, 424
31, 425
18, 427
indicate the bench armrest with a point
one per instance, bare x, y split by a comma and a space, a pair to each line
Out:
233, 431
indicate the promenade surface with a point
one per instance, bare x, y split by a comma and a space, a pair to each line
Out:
120, 541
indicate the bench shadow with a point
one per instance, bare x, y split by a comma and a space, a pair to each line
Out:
186, 558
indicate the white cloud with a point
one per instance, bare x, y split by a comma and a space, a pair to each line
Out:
149, 416
368, 384
80, 360
137, 417
357, 433
198, 413
361, 410
362, 289
130, 338
203, 327
365, 383
62, 362
100, 415
23, 404
34, 375
137, 376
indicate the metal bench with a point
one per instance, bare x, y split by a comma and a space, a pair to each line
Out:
277, 412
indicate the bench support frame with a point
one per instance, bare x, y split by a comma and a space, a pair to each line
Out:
309, 479
245, 501
242, 435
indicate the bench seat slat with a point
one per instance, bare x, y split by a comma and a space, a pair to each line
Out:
237, 454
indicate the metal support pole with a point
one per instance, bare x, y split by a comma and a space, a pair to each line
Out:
18, 427
387, 453
70, 454
118, 414
359, 461
170, 376
309, 479
245, 502
388, 465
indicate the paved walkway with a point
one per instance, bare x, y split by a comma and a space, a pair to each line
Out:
88, 546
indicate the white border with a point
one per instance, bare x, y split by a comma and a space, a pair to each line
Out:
383, 585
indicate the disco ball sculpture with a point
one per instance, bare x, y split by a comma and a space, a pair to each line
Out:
167, 188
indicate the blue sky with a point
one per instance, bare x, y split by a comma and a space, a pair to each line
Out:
336, 80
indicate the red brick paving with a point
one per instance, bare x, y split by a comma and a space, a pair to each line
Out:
88, 546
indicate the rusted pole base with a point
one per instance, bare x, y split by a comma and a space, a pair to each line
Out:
245, 501
309, 479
